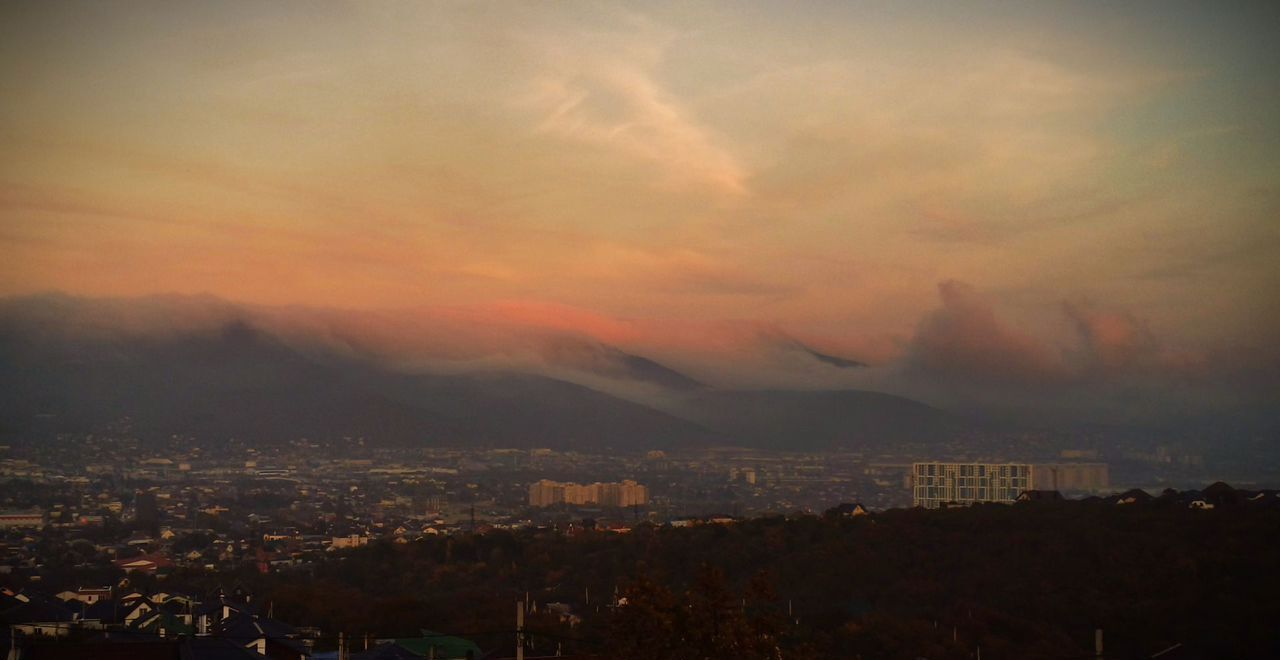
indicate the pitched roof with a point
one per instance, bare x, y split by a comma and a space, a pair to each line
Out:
106, 611
218, 648
144, 562
1040, 496
847, 509
215, 606
161, 620
1133, 495
1221, 494
248, 627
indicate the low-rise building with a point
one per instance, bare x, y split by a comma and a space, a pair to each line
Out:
21, 519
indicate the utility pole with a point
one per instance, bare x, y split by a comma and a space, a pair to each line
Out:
1097, 643
519, 630
342, 647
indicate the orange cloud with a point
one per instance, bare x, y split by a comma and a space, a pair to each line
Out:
1114, 340
965, 339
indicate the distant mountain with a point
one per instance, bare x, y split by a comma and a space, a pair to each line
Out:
204, 367
611, 362
820, 419
239, 382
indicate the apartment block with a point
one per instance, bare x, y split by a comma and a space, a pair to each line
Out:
938, 484
626, 493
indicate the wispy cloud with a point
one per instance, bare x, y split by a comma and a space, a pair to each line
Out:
604, 89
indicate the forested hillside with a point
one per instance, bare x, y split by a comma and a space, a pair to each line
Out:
1025, 581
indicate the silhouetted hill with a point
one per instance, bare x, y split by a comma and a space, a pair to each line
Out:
206, 367
241, 383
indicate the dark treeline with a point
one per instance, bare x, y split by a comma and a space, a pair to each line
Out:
1024, 581
1018, 582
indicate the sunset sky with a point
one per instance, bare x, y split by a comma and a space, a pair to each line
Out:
861, 174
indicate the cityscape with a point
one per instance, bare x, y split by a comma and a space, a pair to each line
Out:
412, 330
90, 527
336, 489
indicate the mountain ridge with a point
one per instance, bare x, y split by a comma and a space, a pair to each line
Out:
224, 376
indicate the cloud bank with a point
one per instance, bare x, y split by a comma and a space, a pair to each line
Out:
1107, 366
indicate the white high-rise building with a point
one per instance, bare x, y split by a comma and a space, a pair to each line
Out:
938, 484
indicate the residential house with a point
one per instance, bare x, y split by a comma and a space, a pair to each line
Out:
269, 637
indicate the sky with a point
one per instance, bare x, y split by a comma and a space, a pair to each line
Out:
1015, 192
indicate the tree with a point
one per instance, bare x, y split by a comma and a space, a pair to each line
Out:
644, 623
